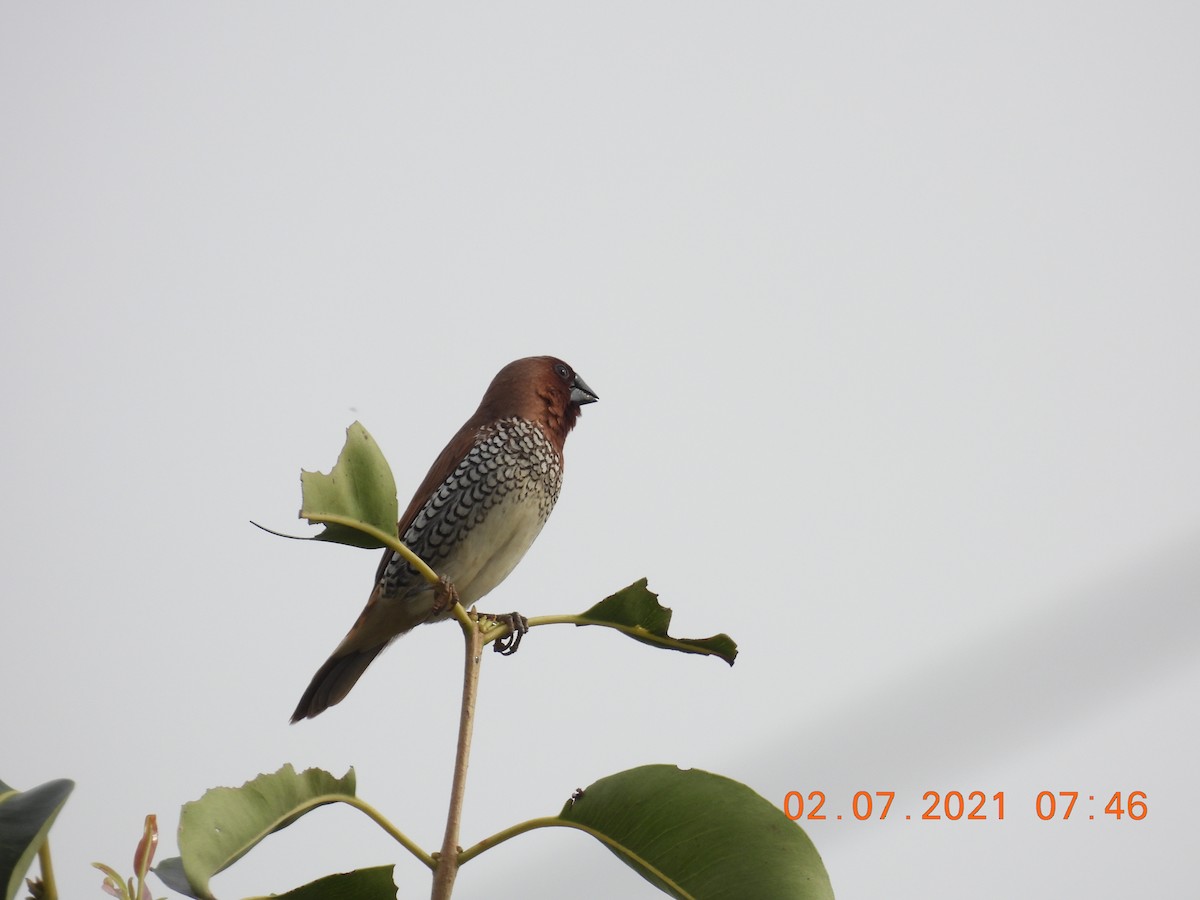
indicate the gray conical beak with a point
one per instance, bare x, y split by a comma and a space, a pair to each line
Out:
581, 393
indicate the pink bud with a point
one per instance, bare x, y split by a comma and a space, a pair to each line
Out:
144, 854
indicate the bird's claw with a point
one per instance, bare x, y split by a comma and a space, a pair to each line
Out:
517, 626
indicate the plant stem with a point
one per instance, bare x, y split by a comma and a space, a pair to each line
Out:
388, 539
511, 832
447, 867
397, 835
49, 888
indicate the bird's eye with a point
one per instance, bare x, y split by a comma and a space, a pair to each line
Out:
562, 371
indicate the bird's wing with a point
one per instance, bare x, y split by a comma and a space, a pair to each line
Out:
443, 467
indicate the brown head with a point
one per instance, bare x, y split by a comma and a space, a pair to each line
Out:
542, 389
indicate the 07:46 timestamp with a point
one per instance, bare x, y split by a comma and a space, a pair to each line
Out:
975, 806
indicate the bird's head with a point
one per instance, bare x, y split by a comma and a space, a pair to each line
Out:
543, 389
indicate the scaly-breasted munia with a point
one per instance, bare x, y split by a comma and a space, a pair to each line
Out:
478, 510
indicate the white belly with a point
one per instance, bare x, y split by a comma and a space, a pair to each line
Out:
492, 549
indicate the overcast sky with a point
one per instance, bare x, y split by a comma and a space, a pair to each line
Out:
892, 311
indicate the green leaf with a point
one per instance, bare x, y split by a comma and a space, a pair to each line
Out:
361, 884
358, 489
170, 872
222, 826
25, 820
635, 610
700, 836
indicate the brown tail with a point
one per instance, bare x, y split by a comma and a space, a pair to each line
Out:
333, 681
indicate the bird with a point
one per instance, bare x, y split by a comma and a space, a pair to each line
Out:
479, 509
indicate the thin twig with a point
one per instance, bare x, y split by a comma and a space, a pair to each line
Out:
49, 888
511, 832
388, 539
397, 835
447, 867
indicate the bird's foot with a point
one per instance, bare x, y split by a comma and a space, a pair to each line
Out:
517, 626
444, 596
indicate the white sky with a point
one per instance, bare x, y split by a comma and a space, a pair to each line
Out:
893, 314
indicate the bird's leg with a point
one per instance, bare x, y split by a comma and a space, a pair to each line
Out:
444, 596
517, 626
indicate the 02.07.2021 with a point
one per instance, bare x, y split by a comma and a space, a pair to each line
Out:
974, 806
